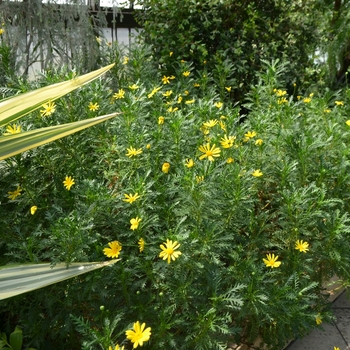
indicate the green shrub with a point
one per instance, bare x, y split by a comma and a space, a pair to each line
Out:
228, 192
232, 38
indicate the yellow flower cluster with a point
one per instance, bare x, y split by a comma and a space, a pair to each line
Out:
282, 101
271, 259
279, 92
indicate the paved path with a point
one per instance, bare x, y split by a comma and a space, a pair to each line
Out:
335, 334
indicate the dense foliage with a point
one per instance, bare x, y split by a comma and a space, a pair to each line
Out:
228, 192
243, 33
228, 224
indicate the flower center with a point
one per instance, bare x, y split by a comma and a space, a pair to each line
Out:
209, 153
169, 251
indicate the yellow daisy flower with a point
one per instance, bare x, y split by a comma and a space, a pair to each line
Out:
169, 250
135, 223
114, 249
12, 129
119, 94
172, 110
133, 87
209, 152
138, 335
199, 179
141, 244
189, 163
280, 92
318, 319
165, 168
227, 141
68, 182
257, 173
283, 100
14, 194
210, 123
117, 347
167, 93
131, 198
154, 91
302, 246
271, 261
93, 106
33, 209
133, 151
49, 108
165, 80
249, 135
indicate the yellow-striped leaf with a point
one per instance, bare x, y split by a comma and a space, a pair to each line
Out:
14, 144
25, 278
16, 107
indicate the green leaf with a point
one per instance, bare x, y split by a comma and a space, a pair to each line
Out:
16, 339
3, 345
16, 107
25, 278
3, 337
14, 144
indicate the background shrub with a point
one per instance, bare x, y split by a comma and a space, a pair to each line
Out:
232, 39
